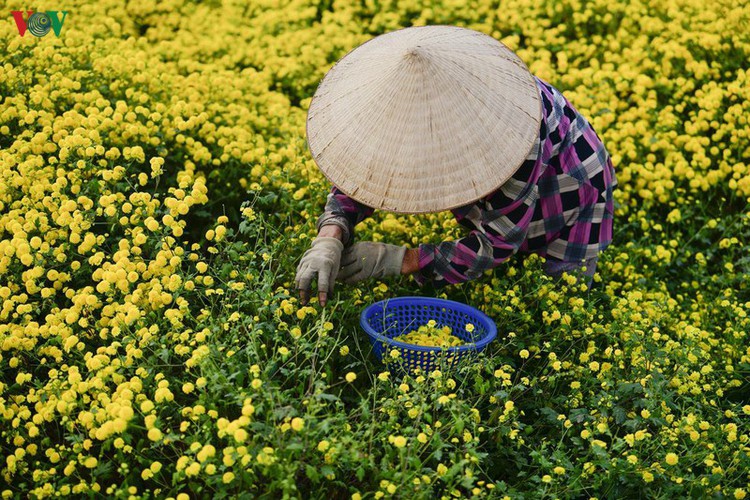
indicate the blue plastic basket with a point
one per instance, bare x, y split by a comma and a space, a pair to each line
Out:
393, 317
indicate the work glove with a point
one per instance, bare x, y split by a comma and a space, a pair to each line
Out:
321, 260
371, 260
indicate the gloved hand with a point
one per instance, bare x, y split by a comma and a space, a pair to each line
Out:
322, 259
369, 259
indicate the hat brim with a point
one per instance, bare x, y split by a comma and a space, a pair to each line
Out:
424, 119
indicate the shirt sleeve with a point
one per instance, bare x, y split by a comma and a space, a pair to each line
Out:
344, 212
500, 230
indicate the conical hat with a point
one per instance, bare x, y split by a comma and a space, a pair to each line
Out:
424, 119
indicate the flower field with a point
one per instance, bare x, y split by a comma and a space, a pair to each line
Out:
152, 344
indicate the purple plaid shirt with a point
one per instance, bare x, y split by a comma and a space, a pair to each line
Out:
558, 204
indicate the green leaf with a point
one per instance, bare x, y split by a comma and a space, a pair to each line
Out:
327, 397
619, 414
459, 425
312, 474
550, 414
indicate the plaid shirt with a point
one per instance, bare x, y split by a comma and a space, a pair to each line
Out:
558, 204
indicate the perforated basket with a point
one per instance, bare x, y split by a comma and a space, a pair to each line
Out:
384, 320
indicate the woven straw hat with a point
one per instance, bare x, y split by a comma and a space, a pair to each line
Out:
424, 119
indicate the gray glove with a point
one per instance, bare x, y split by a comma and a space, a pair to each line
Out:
371, 260
322, 259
